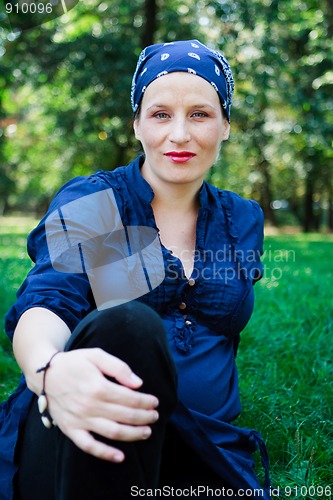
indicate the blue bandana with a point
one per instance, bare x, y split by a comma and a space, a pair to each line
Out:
189, 56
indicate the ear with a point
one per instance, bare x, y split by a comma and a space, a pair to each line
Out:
226, 130
136, 127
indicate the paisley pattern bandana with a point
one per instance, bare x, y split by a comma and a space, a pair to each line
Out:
190, 56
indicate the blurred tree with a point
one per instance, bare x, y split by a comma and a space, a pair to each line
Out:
310, 72
68, 83
7, 126
72, 84
282, 56
149, 29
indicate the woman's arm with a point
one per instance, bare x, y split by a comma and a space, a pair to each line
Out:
81, 400
38, 335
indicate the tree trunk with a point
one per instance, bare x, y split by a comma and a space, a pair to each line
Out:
330, 208
150, 10
266, 193
296, 209
3, 176
308, 222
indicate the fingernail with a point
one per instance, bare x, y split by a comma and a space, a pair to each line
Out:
146, 432
136, 379
118, 458
155, 416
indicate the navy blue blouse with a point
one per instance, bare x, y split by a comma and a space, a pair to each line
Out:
203, 316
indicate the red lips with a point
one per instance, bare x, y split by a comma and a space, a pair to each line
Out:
180, 156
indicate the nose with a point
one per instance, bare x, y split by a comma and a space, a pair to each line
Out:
179, 131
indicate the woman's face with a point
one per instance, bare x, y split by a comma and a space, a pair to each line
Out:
180, 127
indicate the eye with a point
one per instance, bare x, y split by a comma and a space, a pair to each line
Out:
199, 114
161, 116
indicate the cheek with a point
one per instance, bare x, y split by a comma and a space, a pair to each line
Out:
211, 139
147, 135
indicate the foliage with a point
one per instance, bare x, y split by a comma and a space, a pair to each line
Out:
64, 97
282, 57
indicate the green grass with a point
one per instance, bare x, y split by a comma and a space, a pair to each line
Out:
286, 362
285, 359
14, 265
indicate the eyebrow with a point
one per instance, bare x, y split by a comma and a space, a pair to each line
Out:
197, 106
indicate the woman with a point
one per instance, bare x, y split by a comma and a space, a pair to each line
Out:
116, 425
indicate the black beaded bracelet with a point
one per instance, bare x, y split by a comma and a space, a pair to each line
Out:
42, 399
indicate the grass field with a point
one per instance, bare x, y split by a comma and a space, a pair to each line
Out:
286, 363
285, 359
14, 265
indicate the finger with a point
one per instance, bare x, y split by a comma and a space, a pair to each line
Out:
125, 414
112, 392
87, 443
118, 432
115, 367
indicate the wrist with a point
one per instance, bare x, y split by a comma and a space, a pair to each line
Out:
42, 398
34, 378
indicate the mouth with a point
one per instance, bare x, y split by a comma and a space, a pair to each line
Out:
180, 156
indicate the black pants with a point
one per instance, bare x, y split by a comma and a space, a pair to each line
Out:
51, 467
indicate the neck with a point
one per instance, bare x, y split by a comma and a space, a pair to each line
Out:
171, 198
177, 199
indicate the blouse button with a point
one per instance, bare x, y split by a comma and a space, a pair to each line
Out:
191, 282
182, 305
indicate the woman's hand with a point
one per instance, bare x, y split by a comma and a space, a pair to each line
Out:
82, 401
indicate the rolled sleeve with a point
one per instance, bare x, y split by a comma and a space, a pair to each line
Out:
68, 295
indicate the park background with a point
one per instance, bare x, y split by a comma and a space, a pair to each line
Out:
65, 111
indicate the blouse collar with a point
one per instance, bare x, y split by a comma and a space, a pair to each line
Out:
141, 186
145, 191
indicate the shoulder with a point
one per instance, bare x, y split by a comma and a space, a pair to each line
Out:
244, 219
93, 190
79, 187
242, 208
237, 207
80, 203
245, 216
